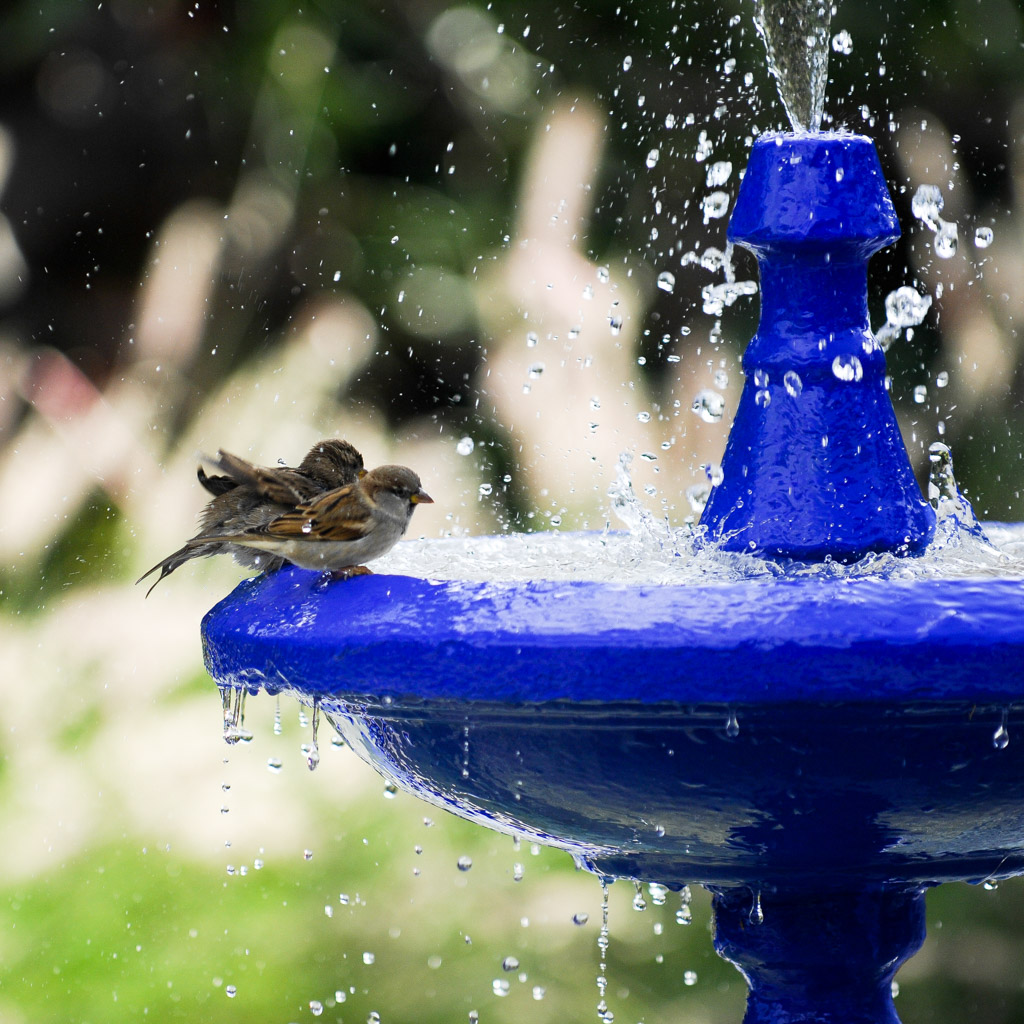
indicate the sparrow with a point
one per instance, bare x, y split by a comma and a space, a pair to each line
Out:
247, 496
340, 529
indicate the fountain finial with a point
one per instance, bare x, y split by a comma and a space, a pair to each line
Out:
815, 465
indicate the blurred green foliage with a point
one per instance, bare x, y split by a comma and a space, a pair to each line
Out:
396, 169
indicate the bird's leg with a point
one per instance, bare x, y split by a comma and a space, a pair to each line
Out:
349, 571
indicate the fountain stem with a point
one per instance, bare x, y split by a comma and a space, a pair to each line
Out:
815, 466
814, 958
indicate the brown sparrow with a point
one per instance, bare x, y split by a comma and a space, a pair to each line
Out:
343, 528
248, 497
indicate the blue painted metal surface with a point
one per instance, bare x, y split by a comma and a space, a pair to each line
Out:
815, 465
777, 641
820, 959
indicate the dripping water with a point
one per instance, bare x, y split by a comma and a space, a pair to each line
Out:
311, 750
604, 1015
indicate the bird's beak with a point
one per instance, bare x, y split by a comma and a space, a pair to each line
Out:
361, 474
421, 498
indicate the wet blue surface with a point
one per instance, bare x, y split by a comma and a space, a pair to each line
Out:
774, 642
815, 463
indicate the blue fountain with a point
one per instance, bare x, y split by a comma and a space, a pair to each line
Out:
817, 749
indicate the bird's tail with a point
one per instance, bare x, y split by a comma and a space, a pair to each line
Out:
192, 549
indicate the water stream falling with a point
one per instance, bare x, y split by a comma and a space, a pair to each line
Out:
796, 37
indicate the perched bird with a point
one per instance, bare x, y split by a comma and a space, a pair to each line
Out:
343, 528
247, 497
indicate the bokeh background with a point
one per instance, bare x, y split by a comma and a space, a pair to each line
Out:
481, 238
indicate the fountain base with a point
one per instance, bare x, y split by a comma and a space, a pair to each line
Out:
819, 958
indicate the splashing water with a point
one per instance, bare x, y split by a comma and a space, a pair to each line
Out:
956, 523
652, 551
796, 38
905, 307
926, 206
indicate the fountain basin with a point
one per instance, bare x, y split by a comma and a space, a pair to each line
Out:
816, 748
768, 733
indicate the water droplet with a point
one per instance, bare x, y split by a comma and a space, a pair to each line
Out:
532, 339
667, 281
390, 791
603, 275
627, 63
307, 854
510, 963
732, 725
485, 490
920, 394
990, 884
714, 206
658, 893
927, 205
689, 978
847, 368
684, 915
652, 157
465, 446
983, 237
231, 991
517, 872
368, 957
274, 764
639, 903
538, 992
316, 1007
721, 379
709, 405
794, 385
905, 307
756, 915
842, 42
713, 471
580, 918
644, 416
500, 987
1001, 737
941, 379
464, 863
719, 173
535, 370
762, 398
615, 323
946, 239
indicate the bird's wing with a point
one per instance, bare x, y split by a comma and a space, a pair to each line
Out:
284, 486
341, 514
216, 485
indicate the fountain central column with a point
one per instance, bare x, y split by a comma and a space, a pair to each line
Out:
815, 466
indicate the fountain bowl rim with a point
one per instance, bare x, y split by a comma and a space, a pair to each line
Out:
893, 641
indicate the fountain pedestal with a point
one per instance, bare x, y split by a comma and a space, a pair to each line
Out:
819, 958
825, 744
